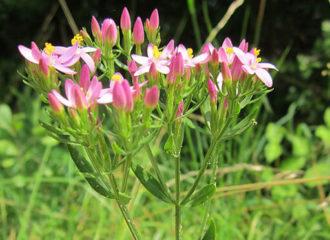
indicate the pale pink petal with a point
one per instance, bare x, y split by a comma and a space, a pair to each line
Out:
141, 70
88, 49
69, 53
248, 69
267, 66
162, 69
61, 99
227, 43
59, 50
94, 90
63, 69
68, 87
202, 58
27, 53
168, 50
71, 61
220, 81
264, 76
89, 61
140, 59
105, 98
241, 55
182, 49
150, 50
223, 57
84, 78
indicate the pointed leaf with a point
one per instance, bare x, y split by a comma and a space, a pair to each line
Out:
210, 233
84, 167
202, 195
150, 183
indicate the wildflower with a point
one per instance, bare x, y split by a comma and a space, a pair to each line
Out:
125, 20
212, 91
56, 106
138, 32
48, 57
122, 96
154, 20
151, 97
160, 59
96, 31
109, 32
189, 59
251, 64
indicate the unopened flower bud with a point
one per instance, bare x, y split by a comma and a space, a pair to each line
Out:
56, 106
178, 65
136, 92
96, 31
153, 71
138, 32
43, 66
212, 91
226, 74
154, 20
179, 113
97, 56
215, 57
128, 96
151, 97
125, 20
119, 99
79, 98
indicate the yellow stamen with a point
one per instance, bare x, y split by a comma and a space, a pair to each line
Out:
49, 48
156, 52
190, 52
87, 94
258, 60
229, 50
77, 38
116, 78
256, 51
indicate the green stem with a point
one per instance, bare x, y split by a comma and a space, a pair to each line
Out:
209, 202
177, 198
159, 176
127, 167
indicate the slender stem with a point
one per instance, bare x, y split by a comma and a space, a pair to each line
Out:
177, 198
159, 176
127, 167
209, 202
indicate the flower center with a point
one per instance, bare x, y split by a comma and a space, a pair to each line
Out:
77, 38
116, 78
49, 48
190, 52
256, 51
156, 52
258, 60
229, 50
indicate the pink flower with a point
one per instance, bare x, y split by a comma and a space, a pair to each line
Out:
212, 91
80, 96
251, 64
138, 32
68, 56
178, 67
96, 31
189, 60
125, 20
106, 95
122, 96
160, 59
109, 32
56, 106
154, 20
151, 97
48, 56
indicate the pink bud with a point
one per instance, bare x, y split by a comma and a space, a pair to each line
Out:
225, 102
236, 69
151, 97
138, 32
43, 66
212, 91
153, 70
118, 96
84, 34
78, 98
96, 31
244, 45
226, 74
84, 78
179, 113
187, 74
128, 96
171, 76
147, 25
97, 56
111, 35
35, 51
131, 67
178, 65
56, 106
137, 91
215, 57
154, 20
125, 20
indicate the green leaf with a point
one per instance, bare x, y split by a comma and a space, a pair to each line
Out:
169, 146
324, 133
319, 170
300, 145
272, 151
275, 133
84, 167
117, 149
189, 123
202, 195
150, 183
327, 117
210, 233
293, 163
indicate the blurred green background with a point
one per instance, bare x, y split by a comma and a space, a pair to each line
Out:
43, 197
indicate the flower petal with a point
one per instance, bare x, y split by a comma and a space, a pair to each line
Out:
140, 59
142, 69
61, 99
27, 54
89, 61
264, 76
267, 66
63, 69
